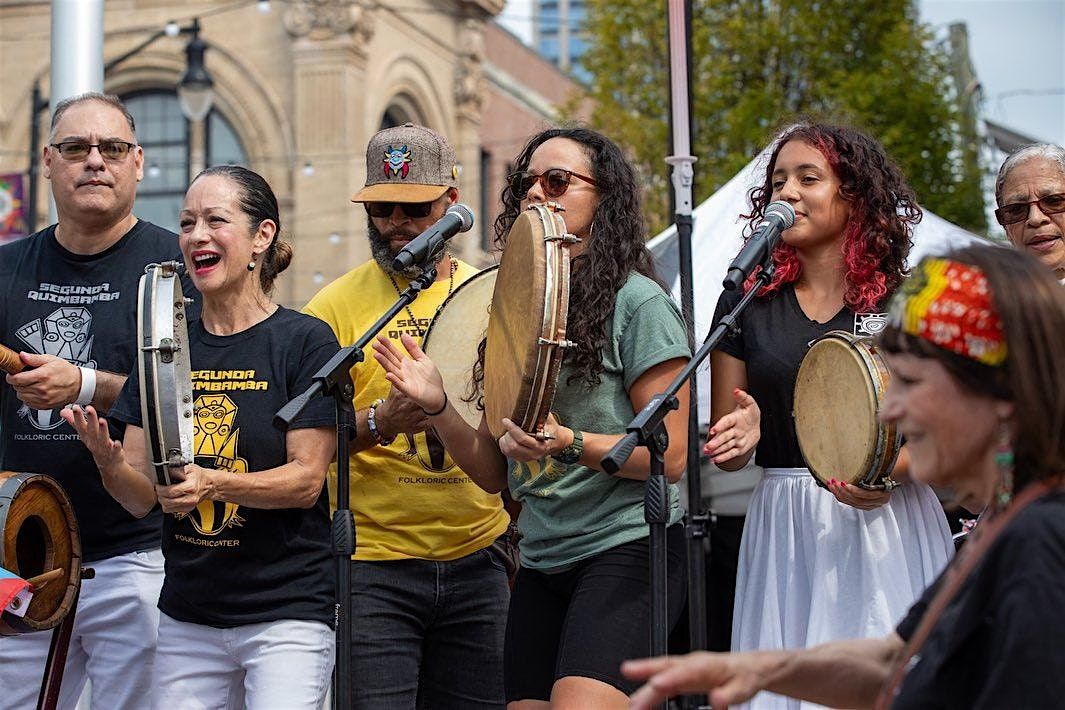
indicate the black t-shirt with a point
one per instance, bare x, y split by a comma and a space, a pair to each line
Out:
82, 308
773, 339
999, 644
229, 565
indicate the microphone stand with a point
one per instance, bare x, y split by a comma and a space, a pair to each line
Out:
648, 429
334, 380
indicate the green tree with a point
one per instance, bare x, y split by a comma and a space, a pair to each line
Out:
758, 65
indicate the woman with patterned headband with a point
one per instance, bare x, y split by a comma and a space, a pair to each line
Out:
818, 564
973, 342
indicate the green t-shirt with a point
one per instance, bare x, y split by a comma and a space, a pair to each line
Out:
570, 513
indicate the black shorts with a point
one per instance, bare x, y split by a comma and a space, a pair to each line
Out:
587, 620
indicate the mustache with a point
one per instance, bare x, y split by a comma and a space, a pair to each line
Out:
399, 232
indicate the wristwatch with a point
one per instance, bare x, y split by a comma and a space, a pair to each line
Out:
572, 453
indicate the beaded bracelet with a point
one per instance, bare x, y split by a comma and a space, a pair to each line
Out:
371, 424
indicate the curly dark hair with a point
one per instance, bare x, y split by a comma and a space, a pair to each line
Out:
883, 210
616, 248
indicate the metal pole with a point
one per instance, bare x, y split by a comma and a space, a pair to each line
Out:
35, 157
77, 52
683, 177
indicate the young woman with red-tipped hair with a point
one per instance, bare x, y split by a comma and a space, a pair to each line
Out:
819, 563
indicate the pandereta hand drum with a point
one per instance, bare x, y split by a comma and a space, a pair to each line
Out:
455, 333
527, 326
164, 371
40, 538
838, 391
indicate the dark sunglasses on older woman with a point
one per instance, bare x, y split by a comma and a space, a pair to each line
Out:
413, 210
1018, 211
554, 182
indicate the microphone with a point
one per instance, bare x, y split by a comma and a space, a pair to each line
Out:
458, 218
778, 217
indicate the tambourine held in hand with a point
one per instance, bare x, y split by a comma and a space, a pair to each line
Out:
527, 326
164, 371
841, 382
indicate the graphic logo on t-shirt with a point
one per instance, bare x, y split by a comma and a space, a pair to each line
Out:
429, 450
64, 333
216, 447
869, 324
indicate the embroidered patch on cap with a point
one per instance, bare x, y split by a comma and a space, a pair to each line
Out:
397, 162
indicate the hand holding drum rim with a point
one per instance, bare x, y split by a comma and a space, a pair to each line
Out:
185, 496
93, 432
856, 496
522, 446
736, 433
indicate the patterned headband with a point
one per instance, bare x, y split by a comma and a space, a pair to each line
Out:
949, 304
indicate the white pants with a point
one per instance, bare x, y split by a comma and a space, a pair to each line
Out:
112, 644
282, 665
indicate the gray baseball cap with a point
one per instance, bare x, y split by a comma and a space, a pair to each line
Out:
408, 163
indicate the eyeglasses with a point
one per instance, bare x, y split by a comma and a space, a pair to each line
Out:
1018, 211
414, 210
554, 182
79, 150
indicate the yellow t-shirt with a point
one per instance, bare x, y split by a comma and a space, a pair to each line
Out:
409, 499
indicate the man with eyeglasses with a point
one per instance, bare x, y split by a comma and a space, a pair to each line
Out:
1030, 192
69, 295
429, 580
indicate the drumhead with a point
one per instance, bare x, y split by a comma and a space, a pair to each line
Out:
529, 305
835, 411
40, 534
454, 334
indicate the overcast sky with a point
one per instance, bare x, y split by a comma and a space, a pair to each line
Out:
1017, 48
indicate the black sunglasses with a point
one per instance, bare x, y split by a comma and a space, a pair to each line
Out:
554, 182
79, 150
1018, 211
414, 210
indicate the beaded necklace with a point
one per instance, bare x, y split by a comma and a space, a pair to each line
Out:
450, 286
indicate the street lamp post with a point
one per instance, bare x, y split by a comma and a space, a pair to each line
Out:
195, 94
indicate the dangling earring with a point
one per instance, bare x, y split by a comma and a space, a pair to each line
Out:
1004, 463
251, 265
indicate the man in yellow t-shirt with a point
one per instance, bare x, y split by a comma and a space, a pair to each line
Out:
429, 589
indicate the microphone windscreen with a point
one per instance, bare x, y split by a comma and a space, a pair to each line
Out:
464, 213
783, 210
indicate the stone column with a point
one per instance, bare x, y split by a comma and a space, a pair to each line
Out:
331, 38
469, 92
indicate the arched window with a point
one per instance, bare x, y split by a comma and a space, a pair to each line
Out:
169, 142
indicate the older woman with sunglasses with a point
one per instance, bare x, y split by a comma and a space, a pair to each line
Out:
1030, 191
580, 603
972, 342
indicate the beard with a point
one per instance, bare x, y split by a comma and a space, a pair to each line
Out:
383, 253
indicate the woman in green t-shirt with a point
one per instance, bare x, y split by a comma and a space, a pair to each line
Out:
580, 603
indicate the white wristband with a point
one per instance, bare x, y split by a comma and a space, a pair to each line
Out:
88, 386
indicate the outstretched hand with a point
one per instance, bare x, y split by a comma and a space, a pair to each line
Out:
736, 433
727, 678
415, 376
92, 430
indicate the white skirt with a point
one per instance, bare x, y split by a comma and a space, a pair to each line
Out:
813, 570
